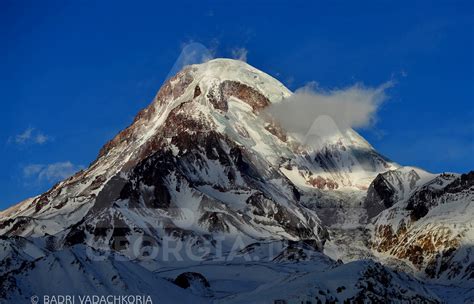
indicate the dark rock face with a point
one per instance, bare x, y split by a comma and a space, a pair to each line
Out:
76, 235
380, 196
146, 186
186, 279
109, 193
466, 181
197, 91
16, 225
216, 222
388, 188
420, 202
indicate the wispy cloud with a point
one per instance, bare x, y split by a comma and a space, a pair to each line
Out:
240, 54
30, 136
50, 172
191, 53
352, 107
41, 138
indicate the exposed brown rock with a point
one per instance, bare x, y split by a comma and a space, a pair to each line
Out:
172, 89
322, 183
229, 88
276, 130
420, 249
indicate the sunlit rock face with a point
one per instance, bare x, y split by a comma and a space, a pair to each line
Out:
431, 225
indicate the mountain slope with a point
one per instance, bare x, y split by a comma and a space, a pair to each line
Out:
203, 150
74, 272
430, 223
205, 175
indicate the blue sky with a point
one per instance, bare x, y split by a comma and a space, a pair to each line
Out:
74, 73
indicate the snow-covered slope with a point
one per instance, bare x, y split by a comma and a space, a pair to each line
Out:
196, 163
355, 282
393, 186
205, 168
73, 272
204, 150
430, 224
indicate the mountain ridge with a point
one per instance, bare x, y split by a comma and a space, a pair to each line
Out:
203, 165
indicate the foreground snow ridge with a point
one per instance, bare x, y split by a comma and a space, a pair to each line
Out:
205, 198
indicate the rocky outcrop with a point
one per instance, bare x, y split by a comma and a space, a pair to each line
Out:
390, 187
187, 279
430, 228
219, 95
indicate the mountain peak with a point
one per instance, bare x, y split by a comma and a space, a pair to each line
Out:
210, 74
206, 87
203, 168
202, 145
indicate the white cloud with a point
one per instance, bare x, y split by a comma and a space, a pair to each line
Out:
24, 137
32, 170
352, 107
51, 172
30, 136
41, 138
191, 53
240, 54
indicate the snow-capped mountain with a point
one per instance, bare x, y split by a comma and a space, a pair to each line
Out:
199, 161
392, 186
204, 167
428, 221
203, 150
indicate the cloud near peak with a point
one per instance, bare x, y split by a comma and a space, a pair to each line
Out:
51, 172
191, 53
240, 54
353, 107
